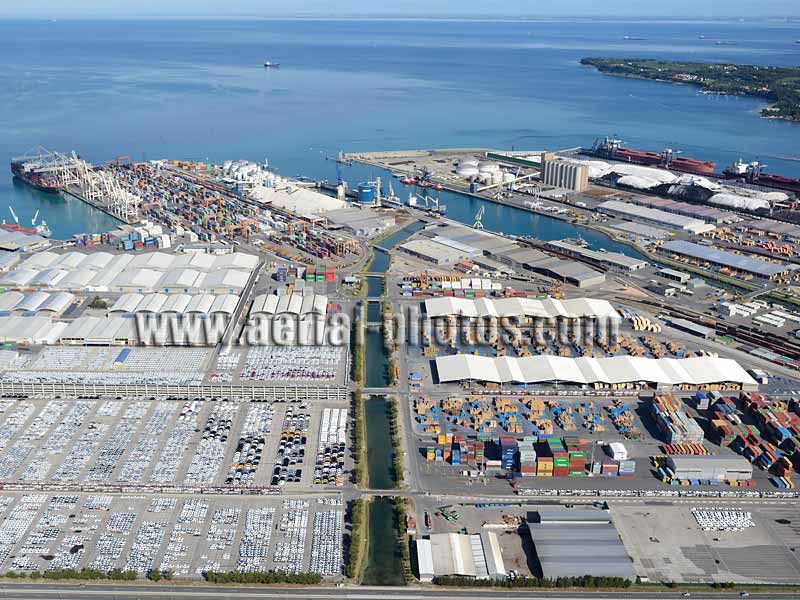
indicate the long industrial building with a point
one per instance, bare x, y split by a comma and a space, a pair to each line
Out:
477, 555
663, 373
756, 267
710, 468
570, 271
550, 308
615, 260
78, 272
272, 304
53, 305
575, 542
653, 215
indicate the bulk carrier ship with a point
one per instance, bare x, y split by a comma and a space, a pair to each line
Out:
753, 173
668, 158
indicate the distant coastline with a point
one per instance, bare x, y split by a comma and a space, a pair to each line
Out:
779, 86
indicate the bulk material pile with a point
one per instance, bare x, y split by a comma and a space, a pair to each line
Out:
723, 520
686, 185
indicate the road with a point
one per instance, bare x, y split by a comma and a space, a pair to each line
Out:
58, 591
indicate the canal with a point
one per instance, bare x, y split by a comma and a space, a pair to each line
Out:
381, 259
384, 561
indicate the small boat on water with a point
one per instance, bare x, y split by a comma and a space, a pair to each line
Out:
271, 65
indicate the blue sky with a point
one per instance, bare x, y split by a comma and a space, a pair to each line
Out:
439, 8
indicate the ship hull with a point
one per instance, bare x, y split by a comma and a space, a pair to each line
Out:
28, 230
47, 189
777, 182
652, 159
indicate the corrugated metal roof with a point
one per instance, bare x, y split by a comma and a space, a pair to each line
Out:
615, 369
574, 549
721, 257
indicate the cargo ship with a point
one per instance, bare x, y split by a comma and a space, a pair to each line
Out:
41, 229
668, 159
28, 173
753, 173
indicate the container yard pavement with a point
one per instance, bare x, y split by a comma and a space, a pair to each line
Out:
667, 545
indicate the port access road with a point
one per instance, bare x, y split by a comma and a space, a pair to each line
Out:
58, 591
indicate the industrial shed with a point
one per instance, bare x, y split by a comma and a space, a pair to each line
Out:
97, 261
225, 281
29, 330
520, 307
152, 303
57, 303
176, 303
477, 555
126, 303
200, 261
271, 304
575, 273
69, 261
158, 261
235, 260
754, 266
9, 300
653, 215
123, 273
717, 468
224, 304
54, 304
16, 241
574, 543
664, 373
200, 304
31, 302
137, 280
181, 281
39, 261
48, 278
19, 277
425, 561
8, 260
77, 280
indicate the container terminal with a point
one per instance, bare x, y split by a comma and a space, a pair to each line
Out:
546, 390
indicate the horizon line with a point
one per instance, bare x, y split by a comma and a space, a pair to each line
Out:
399, 17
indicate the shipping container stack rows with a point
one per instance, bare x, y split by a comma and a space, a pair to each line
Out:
672, 421
530, 456
312, 274
771, 439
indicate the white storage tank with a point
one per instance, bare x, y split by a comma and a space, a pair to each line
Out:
488, 167
467, 171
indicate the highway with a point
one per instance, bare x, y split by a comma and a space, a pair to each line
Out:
60, 591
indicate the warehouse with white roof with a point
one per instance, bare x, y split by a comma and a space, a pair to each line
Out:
30, 330
477, 555
576, 308
8, 300
636, 212
53, 304
191, 273
615, 371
